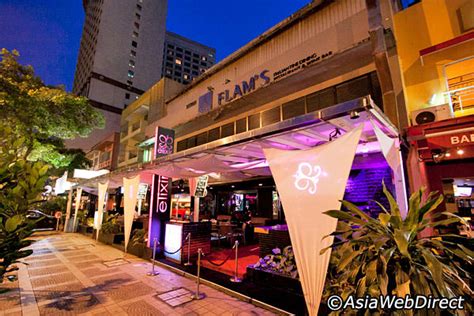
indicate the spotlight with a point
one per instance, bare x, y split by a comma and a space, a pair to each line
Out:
437, 155
447, 155
460, 152
260, 184
354, 115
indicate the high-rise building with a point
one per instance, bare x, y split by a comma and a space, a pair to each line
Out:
185, 59
121, 56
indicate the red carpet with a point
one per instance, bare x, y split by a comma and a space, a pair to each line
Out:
247, 255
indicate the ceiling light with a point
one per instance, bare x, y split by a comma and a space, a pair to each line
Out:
447, 155
460, 152
260, 184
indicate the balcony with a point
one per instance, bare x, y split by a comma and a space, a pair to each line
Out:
135, 131
461, 92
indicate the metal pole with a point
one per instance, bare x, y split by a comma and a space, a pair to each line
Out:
236, 278
197, 295
189, 250
153, 272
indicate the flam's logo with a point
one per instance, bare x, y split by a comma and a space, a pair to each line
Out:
307, 177
165, 145
243, 88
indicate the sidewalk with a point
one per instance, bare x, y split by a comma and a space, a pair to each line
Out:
70, 274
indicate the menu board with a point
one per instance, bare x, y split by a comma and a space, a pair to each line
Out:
201, 186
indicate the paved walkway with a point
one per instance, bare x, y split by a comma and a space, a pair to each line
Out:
70, 274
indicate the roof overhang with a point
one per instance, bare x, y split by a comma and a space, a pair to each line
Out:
243, 152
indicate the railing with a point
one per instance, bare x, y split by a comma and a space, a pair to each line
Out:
461, 92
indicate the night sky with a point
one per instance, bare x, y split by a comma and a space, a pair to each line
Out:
47, 32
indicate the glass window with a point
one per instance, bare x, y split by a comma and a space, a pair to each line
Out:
139, 7
178, 61
227, 130
131, 74
133, 53
241, 125
271, 116
131, 63
134, 44
214, 134
293, 108
254, 121
127, 96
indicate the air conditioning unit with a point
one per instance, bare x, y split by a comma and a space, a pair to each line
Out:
431, 114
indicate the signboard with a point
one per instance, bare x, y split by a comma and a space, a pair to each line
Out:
164, 141
452, 140
160, 189
142, 190
159, 208
58, 214
201, 186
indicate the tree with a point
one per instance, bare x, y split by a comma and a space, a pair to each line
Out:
44, 115
34, 121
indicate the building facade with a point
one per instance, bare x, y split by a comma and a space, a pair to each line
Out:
437, 64
185, 59
121, 56
104, 155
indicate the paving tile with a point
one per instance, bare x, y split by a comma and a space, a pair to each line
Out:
10, 299
70, 305
46, 271
131, 290
44, 263
57, 291
53, 279
141, 308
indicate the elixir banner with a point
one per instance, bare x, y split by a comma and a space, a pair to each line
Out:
100, 205
310, 182
130, 187
159, 208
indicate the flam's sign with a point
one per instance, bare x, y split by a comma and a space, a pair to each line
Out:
244, 87
464, 139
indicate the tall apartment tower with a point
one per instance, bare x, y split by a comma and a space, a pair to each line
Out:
185, 59
120, 57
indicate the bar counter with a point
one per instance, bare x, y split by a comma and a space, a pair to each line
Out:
175, 237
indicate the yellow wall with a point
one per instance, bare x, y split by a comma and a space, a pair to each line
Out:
420, 26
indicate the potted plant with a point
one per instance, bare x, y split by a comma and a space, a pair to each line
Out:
277, 269
138, 246
109, 230
385, 255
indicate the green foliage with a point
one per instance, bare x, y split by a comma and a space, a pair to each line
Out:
139, 237
13, 233
110, 226
34, 121
45, 116
279, 262
385, 255
57, 203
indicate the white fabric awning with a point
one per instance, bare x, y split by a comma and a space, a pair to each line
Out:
240, 156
